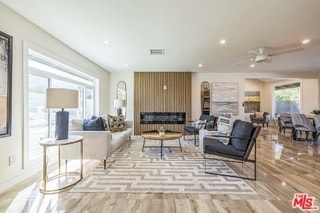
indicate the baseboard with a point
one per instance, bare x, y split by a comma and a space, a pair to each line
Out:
18, 179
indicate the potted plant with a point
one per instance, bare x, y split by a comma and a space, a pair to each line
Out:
161, 131
316, 112
209, 124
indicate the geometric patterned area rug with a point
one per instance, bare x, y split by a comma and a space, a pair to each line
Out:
132, 171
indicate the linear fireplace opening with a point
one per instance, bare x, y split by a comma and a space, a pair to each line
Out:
162, 118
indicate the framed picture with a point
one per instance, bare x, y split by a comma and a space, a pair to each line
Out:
5, 84
224, 98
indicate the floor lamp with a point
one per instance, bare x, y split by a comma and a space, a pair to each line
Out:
62, 98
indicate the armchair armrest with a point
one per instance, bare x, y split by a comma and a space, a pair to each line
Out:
227, 136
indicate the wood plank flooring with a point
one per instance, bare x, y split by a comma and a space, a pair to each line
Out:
296, 169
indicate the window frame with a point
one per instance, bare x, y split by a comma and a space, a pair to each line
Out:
286, 85
31, 70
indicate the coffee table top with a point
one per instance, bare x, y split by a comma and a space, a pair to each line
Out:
154, 135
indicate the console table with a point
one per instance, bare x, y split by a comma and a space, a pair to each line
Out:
52, 142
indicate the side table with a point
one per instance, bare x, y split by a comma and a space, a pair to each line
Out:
50, 142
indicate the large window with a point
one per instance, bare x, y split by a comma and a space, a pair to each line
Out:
42, 73
287, 98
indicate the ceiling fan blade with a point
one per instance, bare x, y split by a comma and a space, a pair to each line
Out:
288, 50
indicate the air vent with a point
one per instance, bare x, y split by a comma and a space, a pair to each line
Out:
157, 51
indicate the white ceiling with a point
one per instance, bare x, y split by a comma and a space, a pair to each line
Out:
188, 30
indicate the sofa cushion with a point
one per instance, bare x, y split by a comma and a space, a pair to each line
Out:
117, 123
93, 124
211, 145
76, 125
241, 129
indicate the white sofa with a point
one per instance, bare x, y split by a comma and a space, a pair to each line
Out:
97, 145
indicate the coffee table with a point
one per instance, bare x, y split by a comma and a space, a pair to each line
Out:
154, 135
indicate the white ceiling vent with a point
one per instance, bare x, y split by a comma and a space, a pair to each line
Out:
157, 51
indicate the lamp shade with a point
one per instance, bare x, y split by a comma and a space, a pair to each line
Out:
118, 103
62, 98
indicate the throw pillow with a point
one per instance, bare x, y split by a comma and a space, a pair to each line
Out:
200, 124
76, 125
117, 123
259, 115
225, 141
225, 127
105, 120
93, 124
241, 129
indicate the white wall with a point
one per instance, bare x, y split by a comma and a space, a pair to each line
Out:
22, 30
310, 94
310, 89
255, 85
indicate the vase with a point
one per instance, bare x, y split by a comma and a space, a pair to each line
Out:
161, 133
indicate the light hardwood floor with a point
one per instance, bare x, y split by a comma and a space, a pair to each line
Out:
279, 176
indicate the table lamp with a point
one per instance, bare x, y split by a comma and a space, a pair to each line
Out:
118, 104
62, 98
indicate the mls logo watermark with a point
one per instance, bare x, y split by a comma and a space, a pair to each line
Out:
304, 202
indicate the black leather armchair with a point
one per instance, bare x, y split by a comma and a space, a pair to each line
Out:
241, 142
195, 130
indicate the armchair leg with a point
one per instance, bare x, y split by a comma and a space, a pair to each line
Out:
195, 140
228, 175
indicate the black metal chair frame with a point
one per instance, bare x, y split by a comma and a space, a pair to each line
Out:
237, 159
194, 133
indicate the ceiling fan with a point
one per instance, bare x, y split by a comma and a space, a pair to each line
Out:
264, 54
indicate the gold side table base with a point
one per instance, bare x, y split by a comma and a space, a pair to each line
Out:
45, 186
67, 175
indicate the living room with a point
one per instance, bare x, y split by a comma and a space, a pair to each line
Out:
28, 35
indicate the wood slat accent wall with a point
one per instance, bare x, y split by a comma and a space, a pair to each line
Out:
150, 96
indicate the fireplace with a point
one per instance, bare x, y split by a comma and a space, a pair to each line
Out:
162, 118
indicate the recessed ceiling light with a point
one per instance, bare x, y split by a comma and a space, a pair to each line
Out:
223, 41
252, 65
199, 65
106, 42
306, 41
126, 65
